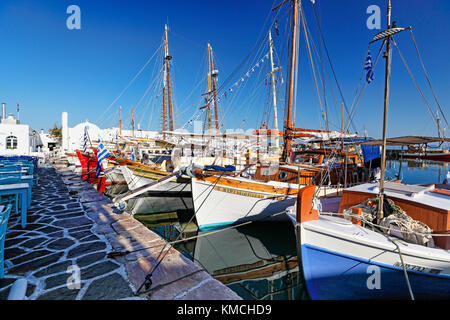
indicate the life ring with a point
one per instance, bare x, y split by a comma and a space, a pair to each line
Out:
264, 125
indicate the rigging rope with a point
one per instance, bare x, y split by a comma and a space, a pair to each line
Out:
130, 83
426, 74
415, 82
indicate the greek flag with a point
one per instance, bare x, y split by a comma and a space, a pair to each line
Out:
132, 154
102, 154
368, 66
85, 141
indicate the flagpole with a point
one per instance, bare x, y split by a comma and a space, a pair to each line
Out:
89, 138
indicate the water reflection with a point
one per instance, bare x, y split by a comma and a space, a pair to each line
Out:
417, 171
258, 261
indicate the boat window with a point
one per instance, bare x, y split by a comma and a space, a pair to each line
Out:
283, 175
11, 142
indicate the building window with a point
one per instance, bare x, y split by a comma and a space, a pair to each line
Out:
11, 142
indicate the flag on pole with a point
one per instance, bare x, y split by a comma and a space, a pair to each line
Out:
102, 154
85, 141
132, 154
368, 66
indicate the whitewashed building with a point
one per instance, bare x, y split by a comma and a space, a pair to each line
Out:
73, 138
17, 138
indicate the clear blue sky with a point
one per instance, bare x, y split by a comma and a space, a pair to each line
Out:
50, 69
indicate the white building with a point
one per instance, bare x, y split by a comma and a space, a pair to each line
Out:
16, 138
73, 138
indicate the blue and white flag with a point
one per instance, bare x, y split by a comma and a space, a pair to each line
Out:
85, 141
368, 66
102, 154
132, 154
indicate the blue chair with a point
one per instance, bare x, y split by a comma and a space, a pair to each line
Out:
10, 199
4, 216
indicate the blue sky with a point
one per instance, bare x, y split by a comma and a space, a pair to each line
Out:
50, 69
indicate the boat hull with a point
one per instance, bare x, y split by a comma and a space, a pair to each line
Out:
342, 261
169, 197
445, 157
217, 205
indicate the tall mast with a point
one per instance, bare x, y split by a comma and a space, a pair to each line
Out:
213, 79
288, 125
132, 121
388, 56
167, 58
274, 89
120, 121
209, 88
166, 53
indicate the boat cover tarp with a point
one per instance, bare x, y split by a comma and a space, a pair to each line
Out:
219, 168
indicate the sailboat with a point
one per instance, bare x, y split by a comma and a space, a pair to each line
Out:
221, 198
381, 240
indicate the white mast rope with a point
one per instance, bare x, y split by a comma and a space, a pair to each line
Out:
130, 83
426, 74
415, 82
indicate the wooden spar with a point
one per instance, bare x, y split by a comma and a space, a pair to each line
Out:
169, 91
274, 89
164, 110
213, 79
342, 126
288, 126
132, 122
388, 56
164, 83
120, 121
209, 89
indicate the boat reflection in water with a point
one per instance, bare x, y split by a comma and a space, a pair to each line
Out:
258, 261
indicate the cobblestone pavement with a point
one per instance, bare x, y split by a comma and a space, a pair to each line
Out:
60, 234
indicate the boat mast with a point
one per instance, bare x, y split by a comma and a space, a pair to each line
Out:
288, 125
132, 122
167, 58
213, 79
209, 89
274, 89
120, 121
388, 56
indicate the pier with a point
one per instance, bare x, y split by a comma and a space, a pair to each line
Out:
70, 230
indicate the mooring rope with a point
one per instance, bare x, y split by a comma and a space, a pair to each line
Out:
148, 281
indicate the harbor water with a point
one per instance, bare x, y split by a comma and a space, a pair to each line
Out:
258, 260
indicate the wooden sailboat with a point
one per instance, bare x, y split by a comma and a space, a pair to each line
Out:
223, 198
380, 240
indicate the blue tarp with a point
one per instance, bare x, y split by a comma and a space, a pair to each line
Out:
371, 153
224, 169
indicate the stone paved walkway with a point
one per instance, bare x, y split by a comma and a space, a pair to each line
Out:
71, 224
58, 235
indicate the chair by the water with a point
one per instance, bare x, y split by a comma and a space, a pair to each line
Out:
4, 216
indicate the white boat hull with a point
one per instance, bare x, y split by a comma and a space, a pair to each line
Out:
216, 206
